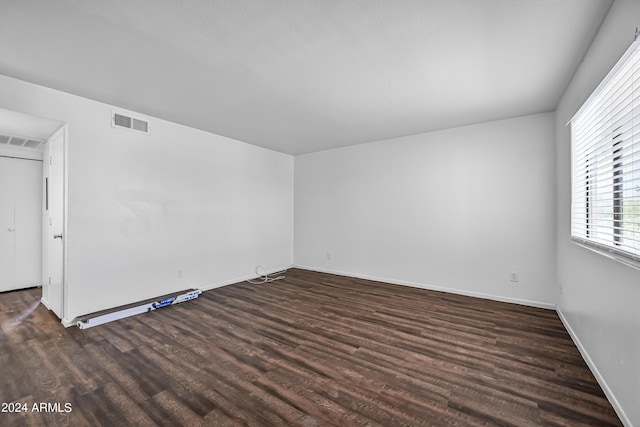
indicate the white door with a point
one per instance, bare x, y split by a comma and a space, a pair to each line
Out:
20, 244
54, 219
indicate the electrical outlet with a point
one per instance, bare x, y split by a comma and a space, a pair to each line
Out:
514, 276
329, 255
179, 274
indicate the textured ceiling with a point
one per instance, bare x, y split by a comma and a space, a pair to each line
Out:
299, 76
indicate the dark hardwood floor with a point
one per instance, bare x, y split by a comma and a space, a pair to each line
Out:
311, 350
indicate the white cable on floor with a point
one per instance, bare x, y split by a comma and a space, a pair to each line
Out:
264, 277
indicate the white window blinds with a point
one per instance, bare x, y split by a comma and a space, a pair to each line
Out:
605, 133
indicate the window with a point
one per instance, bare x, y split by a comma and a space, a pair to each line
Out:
605, 154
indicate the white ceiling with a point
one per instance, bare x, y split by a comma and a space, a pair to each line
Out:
299, 76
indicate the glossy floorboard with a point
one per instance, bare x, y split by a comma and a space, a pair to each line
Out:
311, 350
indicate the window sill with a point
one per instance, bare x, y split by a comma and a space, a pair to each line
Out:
608, 254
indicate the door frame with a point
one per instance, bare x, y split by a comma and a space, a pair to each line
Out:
46, 228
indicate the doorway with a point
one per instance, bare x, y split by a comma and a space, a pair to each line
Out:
33, 206
20, 254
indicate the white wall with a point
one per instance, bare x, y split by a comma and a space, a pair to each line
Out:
141, 207
456, 209
601, 297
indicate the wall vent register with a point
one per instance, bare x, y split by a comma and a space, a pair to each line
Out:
127, 122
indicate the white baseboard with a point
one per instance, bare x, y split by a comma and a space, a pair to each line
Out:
45, 303
538, 304
594, 370
73, 322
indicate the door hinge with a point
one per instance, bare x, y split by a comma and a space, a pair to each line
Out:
50, 160
49, 280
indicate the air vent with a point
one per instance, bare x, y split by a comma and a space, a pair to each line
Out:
32, 143
20, 141
126, 122
122, 121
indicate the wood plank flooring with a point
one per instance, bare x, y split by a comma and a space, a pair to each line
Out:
310, 350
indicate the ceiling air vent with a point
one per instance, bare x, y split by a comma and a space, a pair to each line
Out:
122, 121
19, 141
32, 143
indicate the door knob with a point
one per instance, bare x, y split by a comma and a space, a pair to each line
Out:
11, 229
57, 236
